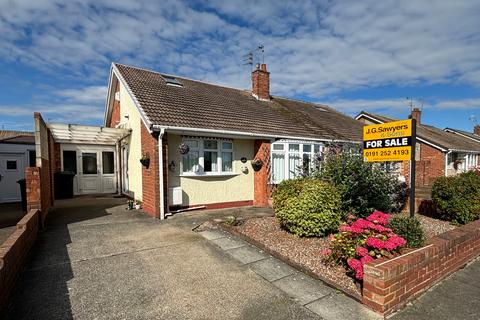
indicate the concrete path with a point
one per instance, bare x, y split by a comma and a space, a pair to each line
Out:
310, 293
98, 261
457, 297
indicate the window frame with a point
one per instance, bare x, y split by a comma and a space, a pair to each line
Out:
201, 157
285, 151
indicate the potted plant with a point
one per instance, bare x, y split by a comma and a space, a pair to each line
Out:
138, 204
145, 160
257, 164
183, 148
130, 204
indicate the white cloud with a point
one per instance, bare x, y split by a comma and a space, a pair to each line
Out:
313, 49
93, 94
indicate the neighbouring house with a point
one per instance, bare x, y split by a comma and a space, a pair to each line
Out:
438, 152
195, 144
17, 151
475, 135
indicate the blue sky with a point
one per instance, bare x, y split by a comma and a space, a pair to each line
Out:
353, 55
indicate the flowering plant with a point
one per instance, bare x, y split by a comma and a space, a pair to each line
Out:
362, 240
183, 148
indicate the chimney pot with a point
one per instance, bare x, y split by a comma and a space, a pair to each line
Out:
417, 115
261, 82
476, 129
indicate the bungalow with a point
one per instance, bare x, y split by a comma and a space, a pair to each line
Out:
438, 152
475, 135
17, 151
192, 143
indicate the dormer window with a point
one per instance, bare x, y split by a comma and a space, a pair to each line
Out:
169, 80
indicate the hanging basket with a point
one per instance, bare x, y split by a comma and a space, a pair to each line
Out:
183, 148
257, 164
145, 160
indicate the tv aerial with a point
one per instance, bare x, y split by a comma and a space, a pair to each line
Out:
256, 54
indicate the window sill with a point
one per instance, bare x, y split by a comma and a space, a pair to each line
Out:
206, 175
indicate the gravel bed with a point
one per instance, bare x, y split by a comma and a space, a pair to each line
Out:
303, 251
433, 227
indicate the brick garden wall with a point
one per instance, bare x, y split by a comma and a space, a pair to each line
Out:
47, 164
390, 284
13, 253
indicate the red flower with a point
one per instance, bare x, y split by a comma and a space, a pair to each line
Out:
326, 252
379, 217
361, 251
366, 259
356, 266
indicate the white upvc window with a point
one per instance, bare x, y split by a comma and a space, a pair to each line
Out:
470, 161
288, 158
208, 156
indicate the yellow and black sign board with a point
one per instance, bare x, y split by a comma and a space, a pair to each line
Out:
388, 142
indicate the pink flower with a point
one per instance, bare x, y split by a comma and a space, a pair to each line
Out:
326, 252
380, 228
379, 217
352, 228
395, 242
361, 251
366, 259
374, 243
357, 266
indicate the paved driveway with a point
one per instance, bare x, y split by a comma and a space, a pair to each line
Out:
99, 261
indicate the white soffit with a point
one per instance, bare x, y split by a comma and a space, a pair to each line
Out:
73, 133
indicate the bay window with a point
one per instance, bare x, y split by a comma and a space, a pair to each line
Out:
207, 156
288, 158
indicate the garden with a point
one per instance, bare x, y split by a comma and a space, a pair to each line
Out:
342, 213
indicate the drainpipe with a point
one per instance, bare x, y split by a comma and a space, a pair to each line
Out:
446, 161
160, 172
119, 167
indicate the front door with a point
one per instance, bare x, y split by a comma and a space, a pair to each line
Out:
11, 170
90, 180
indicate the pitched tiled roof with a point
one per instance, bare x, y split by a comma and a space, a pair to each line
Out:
471, 135
436, 136
21, 137
201, 105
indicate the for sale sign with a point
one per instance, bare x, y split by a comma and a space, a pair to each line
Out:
388, 142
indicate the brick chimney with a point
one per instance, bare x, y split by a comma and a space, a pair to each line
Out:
476, 129
261, 82
417, 115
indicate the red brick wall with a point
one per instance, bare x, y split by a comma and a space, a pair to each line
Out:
32, 176
261, 178
390, 284
13, 253
261, 83
115, 118
150, 177
430, 166
45, 173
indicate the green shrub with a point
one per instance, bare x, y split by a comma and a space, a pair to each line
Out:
363, 186
307, 207
458, 197
408, 228
286, 190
